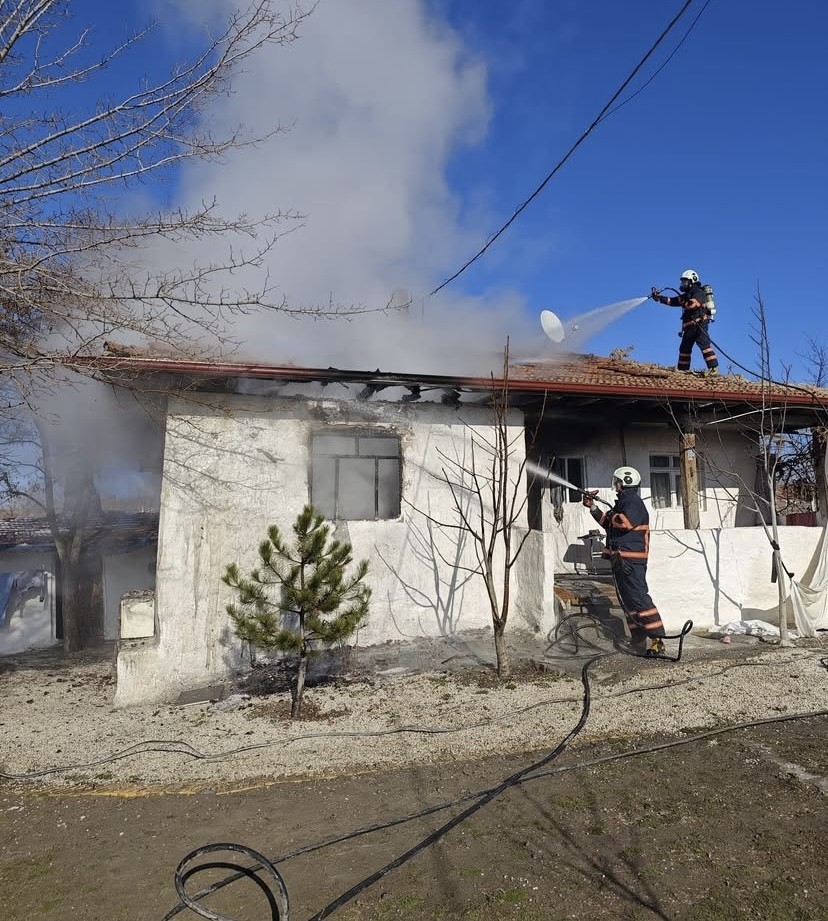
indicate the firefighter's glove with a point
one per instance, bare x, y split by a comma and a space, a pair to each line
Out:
589, 498
655, 294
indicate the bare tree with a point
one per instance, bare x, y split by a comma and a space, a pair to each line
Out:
487, 485
70, 262
80, 126
50, 470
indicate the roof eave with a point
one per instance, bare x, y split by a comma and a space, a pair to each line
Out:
208, 369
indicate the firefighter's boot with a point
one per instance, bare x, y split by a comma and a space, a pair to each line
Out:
656, 647
638, 643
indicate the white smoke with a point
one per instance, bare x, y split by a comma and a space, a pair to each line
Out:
378, 97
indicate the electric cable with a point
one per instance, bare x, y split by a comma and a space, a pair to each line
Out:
662, 65
594, 124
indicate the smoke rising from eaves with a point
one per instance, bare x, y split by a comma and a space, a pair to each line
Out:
84, 425
376, 98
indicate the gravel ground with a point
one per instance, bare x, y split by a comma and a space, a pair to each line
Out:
57, 714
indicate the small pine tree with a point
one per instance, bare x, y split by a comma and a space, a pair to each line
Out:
299, 597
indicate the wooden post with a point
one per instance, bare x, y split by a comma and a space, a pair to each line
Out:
818, 453
689, 481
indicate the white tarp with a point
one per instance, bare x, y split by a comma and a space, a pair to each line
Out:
809, 598
759, 628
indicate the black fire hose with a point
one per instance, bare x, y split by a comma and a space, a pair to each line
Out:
688, 626
278, 899
274, 889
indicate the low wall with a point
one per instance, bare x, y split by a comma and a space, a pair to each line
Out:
716, 575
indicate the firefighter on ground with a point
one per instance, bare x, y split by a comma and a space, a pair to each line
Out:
695, 319
627, 525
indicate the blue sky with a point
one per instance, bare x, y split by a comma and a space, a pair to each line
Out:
718, 165
428, 121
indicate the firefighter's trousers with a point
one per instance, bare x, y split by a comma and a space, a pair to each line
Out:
642, 615
696, 334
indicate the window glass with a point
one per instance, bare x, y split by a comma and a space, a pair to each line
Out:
572, 470
355, 476
575, 469
357, 488
388, 497
334, 444
323, 486
660, 490
378, 447
660, 460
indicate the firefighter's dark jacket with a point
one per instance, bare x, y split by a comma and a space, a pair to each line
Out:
627, 525
692, 304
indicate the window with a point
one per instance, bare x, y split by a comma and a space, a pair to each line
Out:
355, 475
665, 481
572, 470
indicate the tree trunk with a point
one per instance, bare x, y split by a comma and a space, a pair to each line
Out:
504, 666
820, 462
299, 686
781, 575
81, 592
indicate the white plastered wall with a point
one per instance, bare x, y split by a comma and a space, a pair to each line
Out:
716, 574
719, 575
729, 474
234, 465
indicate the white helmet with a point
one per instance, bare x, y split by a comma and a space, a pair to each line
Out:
688, 279
627, 476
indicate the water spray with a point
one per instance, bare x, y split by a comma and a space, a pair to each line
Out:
585, 325
550, 477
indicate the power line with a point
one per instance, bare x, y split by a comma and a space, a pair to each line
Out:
598, 119
662, 66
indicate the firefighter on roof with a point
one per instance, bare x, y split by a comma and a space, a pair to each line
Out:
697, 309
627, 525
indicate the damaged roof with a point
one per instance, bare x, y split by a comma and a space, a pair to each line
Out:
567, 374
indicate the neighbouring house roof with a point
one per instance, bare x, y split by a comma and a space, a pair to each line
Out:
568, 378
108, 532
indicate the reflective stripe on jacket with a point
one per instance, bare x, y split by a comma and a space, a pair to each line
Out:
627, 525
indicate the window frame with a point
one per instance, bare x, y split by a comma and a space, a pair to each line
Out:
673, 471
560, 466
357, 433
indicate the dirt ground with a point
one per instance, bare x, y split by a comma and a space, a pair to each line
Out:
727, 827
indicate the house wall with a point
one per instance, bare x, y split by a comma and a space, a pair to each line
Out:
720, 575
729, 475
717, 575
28, 621
234, 465
714, 575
